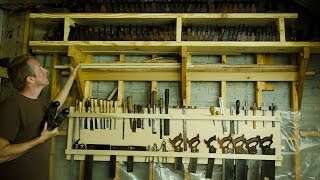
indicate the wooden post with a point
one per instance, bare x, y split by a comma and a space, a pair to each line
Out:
154, 87
120, 104
178, 29
281, 29
55, 88
303, 65
185, 85
84, 87
26, 32
223, 89
296, 140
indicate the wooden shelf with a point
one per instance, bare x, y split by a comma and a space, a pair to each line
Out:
172, 47
168, 47
163, 15
171, 72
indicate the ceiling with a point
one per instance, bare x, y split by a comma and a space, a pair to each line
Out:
311, 6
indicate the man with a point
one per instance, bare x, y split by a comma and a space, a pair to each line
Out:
24, 145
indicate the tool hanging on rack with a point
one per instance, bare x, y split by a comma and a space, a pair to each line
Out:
154, 111
273, 109
224, 126
184, 125
253, 165
166, 122
241, 164
227, 164
268, 166
161, 120
176, 144
193, 145
212, 149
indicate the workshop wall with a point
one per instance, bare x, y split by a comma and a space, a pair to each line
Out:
140, 91
235, 90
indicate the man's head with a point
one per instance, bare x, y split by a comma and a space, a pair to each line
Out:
25, 70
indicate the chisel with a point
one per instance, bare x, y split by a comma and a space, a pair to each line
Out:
166, 122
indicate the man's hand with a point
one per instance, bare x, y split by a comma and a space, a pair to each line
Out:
46, 134
73, 71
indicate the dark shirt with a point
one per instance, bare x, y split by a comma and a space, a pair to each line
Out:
21, 120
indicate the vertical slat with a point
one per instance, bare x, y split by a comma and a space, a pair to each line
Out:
302, 73
67, 23
26, 32
188, 83
121, 84
296, 134
281, 29
120, 98
184, 85
154, 87
178, 29
259, 84
84, 87
223, 88
55, 88
55, 82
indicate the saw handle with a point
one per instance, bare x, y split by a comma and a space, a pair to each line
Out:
193, 143
224, 143
238, 144
176, 143
266, 141
251, 144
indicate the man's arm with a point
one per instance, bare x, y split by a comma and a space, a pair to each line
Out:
11, 151
63, 94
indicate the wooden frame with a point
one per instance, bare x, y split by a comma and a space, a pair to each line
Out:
81, 52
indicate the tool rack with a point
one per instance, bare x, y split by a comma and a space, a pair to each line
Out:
262, 73
199, 121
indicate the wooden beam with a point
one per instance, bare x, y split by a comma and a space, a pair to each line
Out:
303, 65
184, 57
173, 47
171, 16
120, 98
77, 57
296, 134
310, 133
178, 29
223, 89
67, 23
26, 32
154, 87
188, 83
55, 79
55, 88
259, 87
281, 29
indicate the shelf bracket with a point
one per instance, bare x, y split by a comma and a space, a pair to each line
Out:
303, 65
78, 57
